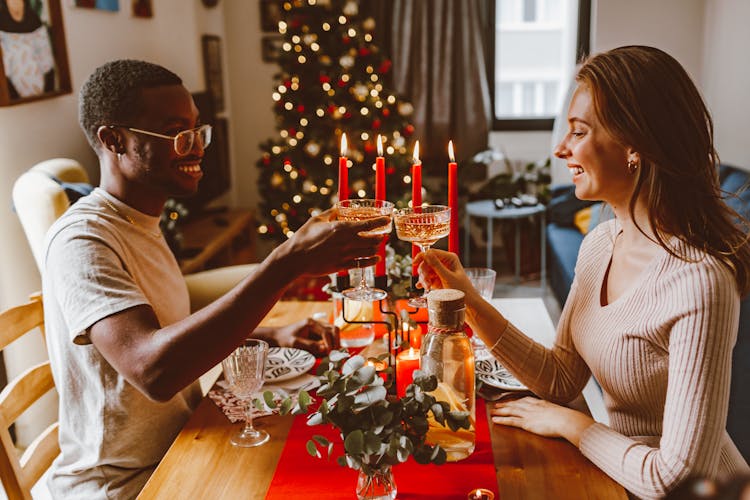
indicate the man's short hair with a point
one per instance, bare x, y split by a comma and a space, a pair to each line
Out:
112, 94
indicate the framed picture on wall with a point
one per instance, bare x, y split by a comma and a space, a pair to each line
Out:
34, 62
110, 5
270, 46
212, 69
142, 8
270, 15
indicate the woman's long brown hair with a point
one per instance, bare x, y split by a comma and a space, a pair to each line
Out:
646, 101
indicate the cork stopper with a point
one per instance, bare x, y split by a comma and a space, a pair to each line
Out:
446, 308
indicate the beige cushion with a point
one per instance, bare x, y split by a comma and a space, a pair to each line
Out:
206, 286
39, 200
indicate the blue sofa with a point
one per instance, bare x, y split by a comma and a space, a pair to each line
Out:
564, 240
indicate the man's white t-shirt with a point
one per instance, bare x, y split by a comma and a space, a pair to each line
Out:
97, 263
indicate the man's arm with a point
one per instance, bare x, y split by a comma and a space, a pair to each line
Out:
162, 361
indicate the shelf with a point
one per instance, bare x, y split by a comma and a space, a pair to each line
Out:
220, 239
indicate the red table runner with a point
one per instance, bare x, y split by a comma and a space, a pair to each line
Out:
298, 475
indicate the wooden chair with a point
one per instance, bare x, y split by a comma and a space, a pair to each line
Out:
19, 474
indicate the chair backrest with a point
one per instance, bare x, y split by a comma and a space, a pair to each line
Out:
39, 199
19, 474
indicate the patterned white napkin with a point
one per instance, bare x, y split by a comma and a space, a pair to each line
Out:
234, 408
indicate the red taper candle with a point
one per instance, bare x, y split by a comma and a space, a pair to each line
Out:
453, 199
380, 195
416, 198
343, 182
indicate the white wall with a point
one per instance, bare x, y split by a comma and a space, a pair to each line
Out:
726, 77
33, 132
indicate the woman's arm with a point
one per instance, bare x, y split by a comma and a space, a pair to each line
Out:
558, 374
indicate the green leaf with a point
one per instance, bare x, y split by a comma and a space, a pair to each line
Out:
312, 449
321, 440
354, 442
352, 364
372, 443
336, 356
268, 397
286, 405
259, 404
370, 396
364, 375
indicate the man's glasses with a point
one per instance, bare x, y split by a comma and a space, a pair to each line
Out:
184, 141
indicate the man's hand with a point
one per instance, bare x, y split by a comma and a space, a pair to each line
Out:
542, 417
311, 335
325, 245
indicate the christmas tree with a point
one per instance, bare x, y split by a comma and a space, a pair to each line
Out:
333, 80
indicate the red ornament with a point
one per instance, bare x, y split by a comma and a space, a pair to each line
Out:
347, 115
324, 79
287, 83
300, 108
331, 109
341, 83
408, 130
390, 170
292, 131
266, 160
385, 66
369, 147
376, 124
345, 39
364, 51
302, 173
386, 112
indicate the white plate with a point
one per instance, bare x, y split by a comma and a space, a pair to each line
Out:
284, 363
492, 373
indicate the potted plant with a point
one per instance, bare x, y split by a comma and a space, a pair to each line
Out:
377, 430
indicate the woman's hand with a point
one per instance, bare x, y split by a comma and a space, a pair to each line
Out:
441, 269
542, 417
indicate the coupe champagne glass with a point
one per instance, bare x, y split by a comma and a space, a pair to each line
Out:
422, 226
358, 210
244, 370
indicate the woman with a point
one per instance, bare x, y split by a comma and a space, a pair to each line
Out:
653, 311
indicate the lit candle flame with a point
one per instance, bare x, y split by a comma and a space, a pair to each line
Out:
343, 144
411, 352
380, 145
416, 153
450, 151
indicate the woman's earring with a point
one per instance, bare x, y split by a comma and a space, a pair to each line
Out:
119, 157
632, 166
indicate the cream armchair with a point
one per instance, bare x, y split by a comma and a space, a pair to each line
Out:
39, 201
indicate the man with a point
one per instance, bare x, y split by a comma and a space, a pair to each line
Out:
125, 351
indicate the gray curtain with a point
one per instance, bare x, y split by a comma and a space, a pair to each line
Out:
439, 63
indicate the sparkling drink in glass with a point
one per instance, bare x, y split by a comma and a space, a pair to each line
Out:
358, 210
422, 226
244, 370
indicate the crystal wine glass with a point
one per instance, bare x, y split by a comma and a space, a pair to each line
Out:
358, 210
244, 370
422, 226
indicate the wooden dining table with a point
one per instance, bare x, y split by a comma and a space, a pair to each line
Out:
201, 463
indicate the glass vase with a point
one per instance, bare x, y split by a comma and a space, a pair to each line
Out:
379, 485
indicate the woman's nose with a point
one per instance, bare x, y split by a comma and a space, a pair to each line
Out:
561, 150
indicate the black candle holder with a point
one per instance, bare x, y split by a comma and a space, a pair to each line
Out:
395, 327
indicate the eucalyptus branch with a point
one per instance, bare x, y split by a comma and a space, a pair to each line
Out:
376, 429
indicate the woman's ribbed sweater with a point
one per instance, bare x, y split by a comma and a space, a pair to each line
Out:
662, 353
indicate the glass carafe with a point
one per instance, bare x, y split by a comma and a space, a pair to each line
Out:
447, 353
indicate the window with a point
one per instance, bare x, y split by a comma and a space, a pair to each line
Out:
534, 47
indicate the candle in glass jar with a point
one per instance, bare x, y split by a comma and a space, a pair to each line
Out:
480, 494
406, 363
416, 197
380, 195
453, 200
